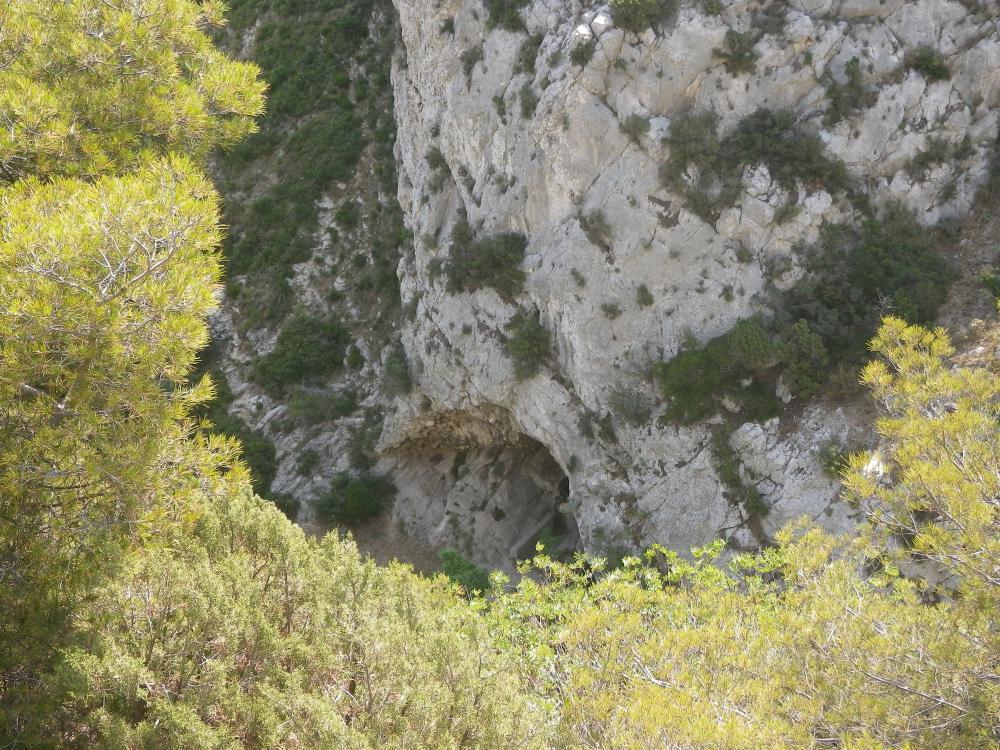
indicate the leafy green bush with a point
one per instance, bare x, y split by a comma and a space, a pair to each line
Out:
751, 347
848, 98
462, 571
313, 408
635, 127
938, 151
308, 350
698, 377
583, 52
855, 276
396, 374
596, 227
528, 54
770, 137
307, 462
639, 15
766, 137
929, 62
493, 262
643, 297
505, 14
611, 310
528, 344
355, 498
738, 55
470, 58
806, 360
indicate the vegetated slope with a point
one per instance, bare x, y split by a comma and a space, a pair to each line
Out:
307, 337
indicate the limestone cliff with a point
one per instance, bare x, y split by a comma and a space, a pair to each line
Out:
514, 131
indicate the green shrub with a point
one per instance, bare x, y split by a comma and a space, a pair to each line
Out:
348, 214
467, 574
766, 137
635, 127
751, 347
692, 381
639, 15
806, 360
738, 55
643, 297
698, 377
929, 62
786, 213
596, 227
435, 160
528, 54
938, 150
770, 137
470, 58
528, 345
583, 52
611, 310
312, 408
396, 374
308, 350
505, 14
355, 359
307, 462
493, 262
848, 98
355, 498
854, 277
834, 457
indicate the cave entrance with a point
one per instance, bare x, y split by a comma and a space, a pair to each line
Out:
490, 502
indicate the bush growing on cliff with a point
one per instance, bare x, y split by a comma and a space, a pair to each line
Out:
639, 15
357, 497
697, 378
768, 137
850, 97
635, 127
853, 277
307, 350
493, 262
738, 54
528, 344
929, 62
583, 52
505, 14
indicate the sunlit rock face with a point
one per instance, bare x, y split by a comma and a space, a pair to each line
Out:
510, 164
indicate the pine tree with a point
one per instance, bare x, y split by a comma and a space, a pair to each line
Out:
108, 261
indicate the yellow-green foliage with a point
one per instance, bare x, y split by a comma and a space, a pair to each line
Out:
108, 263
245, 634
942, 453
90, 87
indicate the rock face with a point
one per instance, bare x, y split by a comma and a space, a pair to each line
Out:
491, 458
